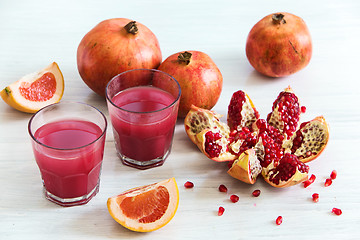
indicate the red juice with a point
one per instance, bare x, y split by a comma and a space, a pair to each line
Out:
70, 163
144, 126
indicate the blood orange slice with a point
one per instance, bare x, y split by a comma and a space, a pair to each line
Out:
146, 208
35, 90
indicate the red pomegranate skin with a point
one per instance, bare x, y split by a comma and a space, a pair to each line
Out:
109, 49
278, 49
200, 81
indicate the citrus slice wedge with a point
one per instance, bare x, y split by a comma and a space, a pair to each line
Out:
35, 90
146, 208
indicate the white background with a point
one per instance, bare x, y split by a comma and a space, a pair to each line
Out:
35, 33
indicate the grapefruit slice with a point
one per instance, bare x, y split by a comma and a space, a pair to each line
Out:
146, 208
35, 90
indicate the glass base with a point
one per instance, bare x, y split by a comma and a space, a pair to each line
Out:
142, 165
69, 202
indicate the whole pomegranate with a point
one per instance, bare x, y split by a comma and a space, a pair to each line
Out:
277, 147
279, 45
114, 46
199, 78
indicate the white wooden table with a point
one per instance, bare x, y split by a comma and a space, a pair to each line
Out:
35, 33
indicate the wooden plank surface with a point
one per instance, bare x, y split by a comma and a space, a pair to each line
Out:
35, 33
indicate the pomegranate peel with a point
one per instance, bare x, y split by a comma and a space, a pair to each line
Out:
290, 171
311, 139
279, 45
199, 119
246, 168
214, 148
210, 135
114, 46
199, 78
297, 178
241, 111
285, 113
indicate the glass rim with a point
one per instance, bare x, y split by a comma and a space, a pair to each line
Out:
146, 112
103, 131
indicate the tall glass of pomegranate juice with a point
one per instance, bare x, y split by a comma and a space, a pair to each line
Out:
143, 106
68, 142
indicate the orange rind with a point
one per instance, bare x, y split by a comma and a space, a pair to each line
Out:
36, 90
146, 208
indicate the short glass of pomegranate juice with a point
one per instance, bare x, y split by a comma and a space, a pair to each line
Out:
143, 106
68, 142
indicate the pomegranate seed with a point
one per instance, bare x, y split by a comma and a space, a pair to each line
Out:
234, 198
222, 188
312, 178
256, 193
279, 220
333, 174
328, 182
188, 184
287, 167
307, 183
303, 109
288, 109
211, 145
221, 211
336, 211
315, 197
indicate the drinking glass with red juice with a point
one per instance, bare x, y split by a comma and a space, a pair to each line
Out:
68, 142
143, 106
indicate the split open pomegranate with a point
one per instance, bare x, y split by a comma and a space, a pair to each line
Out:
277, 147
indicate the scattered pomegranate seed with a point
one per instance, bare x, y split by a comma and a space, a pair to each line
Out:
256, 193
328, 182
333, 174
336, 211
222, 188
312, 178
303, 109
309, 181
306, 183
315, 197
221, 211
234, 198
188, 184
279, 220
